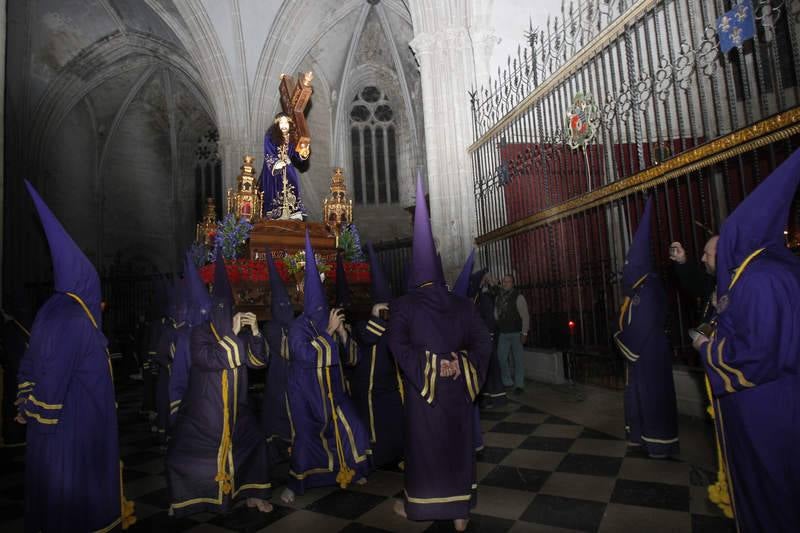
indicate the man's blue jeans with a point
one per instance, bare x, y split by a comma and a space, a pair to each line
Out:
510, 345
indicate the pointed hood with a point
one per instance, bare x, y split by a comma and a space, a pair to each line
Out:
759, 221
222, 312
72, 270
461, 287
280, 304
197, 296
426, 266
380, 290
315, 304
640, 259
343, 298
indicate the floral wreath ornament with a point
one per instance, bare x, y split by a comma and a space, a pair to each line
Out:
581, 121
581, 127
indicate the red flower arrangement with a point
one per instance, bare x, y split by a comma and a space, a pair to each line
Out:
249, 271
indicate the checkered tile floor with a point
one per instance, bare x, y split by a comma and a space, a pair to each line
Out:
538, 472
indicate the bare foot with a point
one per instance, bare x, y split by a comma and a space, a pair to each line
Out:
460, 524
262, 505
400, 508
287, 496
361, 481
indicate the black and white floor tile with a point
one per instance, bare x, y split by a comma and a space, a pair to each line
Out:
537, 473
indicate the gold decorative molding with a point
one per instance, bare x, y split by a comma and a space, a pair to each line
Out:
763, 133
584, 55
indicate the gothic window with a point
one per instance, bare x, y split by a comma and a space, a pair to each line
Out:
207, 174
373, 148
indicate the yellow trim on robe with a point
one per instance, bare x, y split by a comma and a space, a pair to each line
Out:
400, 387
85, 308
425, 374
45, 405
323, 398
235, 348
41, 419
740, 268
253, 359
434, 374
252, 486
446, 499
468, 378
725, 379
375, 325
744, 382
721, 436
350, 437
26, 384
373, 356
659, 441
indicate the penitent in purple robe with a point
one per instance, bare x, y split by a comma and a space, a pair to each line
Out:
753, 358
425, 326
651, 418
217, 455
331, 444
275, 407
329, 437
72, 468
377, 391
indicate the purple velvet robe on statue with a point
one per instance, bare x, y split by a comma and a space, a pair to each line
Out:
425, 326
272, 182
315, 372
377, 391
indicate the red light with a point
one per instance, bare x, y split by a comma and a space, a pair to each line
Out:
571, 324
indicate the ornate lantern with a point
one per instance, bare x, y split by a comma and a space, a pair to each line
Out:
207, 228
337, 208
246, 202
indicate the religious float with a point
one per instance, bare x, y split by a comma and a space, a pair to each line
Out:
270, 213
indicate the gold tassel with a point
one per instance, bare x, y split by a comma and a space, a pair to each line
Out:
222, 475
126, 506
346, 474
718, 492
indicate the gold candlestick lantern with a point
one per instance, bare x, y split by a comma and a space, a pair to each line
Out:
337, 208
207, 228
247, 201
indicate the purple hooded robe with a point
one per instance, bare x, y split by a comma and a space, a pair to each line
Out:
753, 358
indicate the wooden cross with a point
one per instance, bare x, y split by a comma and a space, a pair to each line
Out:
294, 99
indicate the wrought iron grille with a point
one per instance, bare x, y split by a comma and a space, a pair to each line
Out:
611, 99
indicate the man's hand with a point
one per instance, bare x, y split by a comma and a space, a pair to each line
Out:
377, 308
699, 341
454, 366
237, 323
524, 338
249, 319
335, 320
19, 419
677, 253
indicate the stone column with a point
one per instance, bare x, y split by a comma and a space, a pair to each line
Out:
450, 60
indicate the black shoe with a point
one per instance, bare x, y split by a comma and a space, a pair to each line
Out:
518, 391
